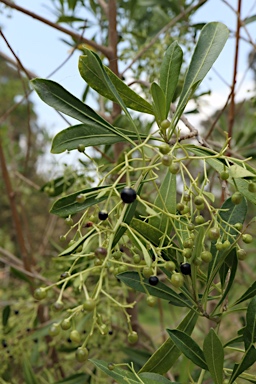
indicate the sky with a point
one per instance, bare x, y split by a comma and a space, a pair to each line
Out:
41, 50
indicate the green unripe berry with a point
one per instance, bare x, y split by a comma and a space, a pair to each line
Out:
54, 330
166, 160
238, 226
219, 245
69, 221
247, 238
58, 306
251, 187
185, 210
236, 198
122, 268
133, 337
188, 243
136, 259
164, 149
117, 255
174, 168
199, 219
40, 293
165, 124
170, 266
191, 227
200, 207
82, 354
81, 147
177, 280
151, 301
214, 233
241, 254
75, 336
224, 175
89, 305
187, 253
226, 244
206, 256
111, 366
197, 261
198, 200
186, 196
80, 198
147, 272
180, 207
65, 324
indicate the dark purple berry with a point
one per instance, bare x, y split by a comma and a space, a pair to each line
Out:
103, 215
153, 280
185, 269
128, 195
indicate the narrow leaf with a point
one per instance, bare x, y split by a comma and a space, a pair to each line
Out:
59, 185
167, 354
249, 293
248, 360
29, 375
169, 72
249, 333
214, 356
78, 378
133, 280
154, 378
232, 267
5, 315
159, 105
188, 347
122, 376
90, 74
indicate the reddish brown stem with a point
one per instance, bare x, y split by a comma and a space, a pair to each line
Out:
231, 115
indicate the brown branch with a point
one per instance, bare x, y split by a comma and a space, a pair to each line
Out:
105, 50
163, 30
104, 6
231, 115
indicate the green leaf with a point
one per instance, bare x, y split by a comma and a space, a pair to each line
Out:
210, 43
248, 360
169, 72
154, 378
249, 19
249, 333
77, 244
230, 264
188, 347
214, 356
90, 134
159, 105
91, 75
238, 172
68, 205
167, 354
122, 376
249, 293
29, 375
165, 200
78, 378
135, 281
59, 185
5, 315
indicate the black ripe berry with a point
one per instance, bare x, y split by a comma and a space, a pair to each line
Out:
128, 195
153, 280
103, 215
185, 269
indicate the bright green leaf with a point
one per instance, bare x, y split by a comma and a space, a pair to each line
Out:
214, 356
159, 105
5, 315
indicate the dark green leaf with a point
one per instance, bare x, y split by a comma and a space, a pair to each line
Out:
135, 281
77, 244
248, 360
167, 354
29, 375
5, 315
230, 264
249, 293
188, 347
154, 378
59, 185
78, 378
122, 376
159, 105
169, 72
249, 333
214, 356
92, 76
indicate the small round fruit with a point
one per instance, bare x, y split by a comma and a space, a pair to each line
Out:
164, 149
226, 244
224, 175
82, 354
89, 305
151, 301
197, 261
100, 252
65, 324
185, 269
153, 280
69, 221
251, 187
206, 256
186, 196
241, 254
128, 195
177, 280
165, 124
198, 200
247, 238
238, 226
236, 198
191, 226
187, 253
40, 293
200, 207
81, 147
133, 337
54, 330
188, 243
174, 168
185, 210
170, 266
103, 215
147, 272
122, 268
214, 233
136, 258
166, 160
111, 366
80, 198
180, 207
219, 246
58, 305
75, 336
199, 219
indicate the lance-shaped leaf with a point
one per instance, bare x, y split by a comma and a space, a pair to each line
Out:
91, 75
168, 353
214, 356
135, 281
169, 72
188, 347
91, 134
249, 293
120, 375
210, 43
250, 328
159, 105
165, 200
248, 360
59, 185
